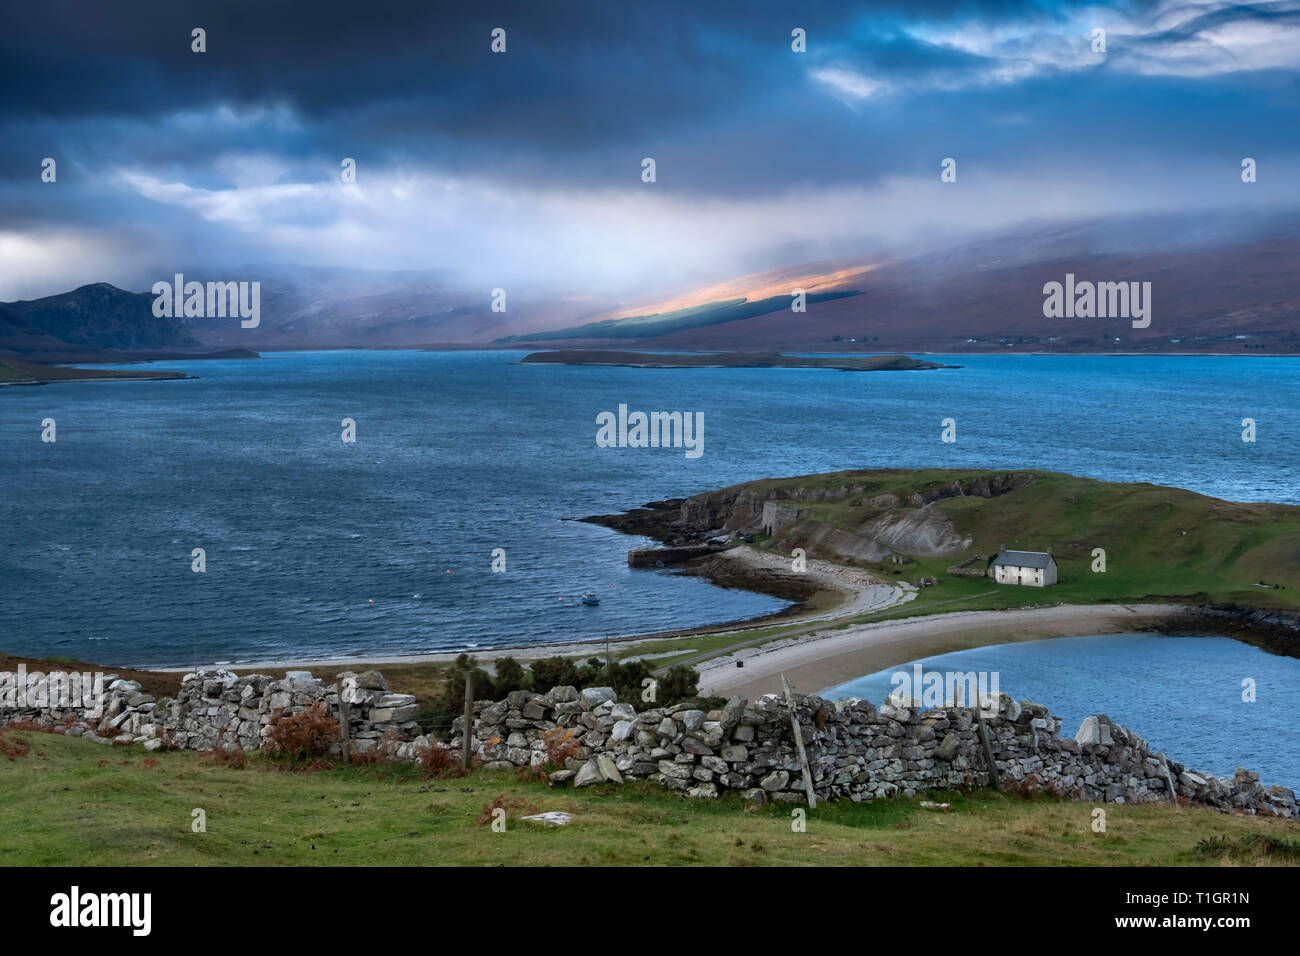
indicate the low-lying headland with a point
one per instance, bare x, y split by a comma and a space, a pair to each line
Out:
1132, 556
18, 372
54, 366
842, 363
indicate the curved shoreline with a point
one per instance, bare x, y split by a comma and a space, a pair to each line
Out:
829, 657
823, 594
820, 651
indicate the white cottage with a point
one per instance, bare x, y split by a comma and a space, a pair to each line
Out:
1034, 568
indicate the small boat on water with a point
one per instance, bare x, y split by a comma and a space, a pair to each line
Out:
590, 599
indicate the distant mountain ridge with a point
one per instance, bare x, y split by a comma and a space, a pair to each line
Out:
98, 316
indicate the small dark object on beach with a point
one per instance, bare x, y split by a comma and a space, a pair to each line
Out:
740, 663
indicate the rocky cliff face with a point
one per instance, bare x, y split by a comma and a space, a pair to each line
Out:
886, 524
740, 507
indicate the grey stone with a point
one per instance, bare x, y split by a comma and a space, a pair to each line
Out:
948, 749
552, 818
622, 712
589, 774
680, 771
731, 714
394, 715
1094, 730
371, 680
691, 719
608, 770
593, 697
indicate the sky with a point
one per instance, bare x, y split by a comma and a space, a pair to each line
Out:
523, 169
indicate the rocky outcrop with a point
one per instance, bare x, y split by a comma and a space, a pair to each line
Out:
985, 486
740, 507
1274, 629
888, 524
900, 531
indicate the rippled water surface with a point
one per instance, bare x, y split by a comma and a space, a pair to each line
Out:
319, 547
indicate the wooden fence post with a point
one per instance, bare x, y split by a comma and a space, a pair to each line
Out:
798, 742
468, 730
994, 780
345, 741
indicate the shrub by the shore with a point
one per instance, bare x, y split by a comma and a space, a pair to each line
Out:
679, 684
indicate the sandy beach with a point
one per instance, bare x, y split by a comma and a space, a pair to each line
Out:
853, 590
813, 662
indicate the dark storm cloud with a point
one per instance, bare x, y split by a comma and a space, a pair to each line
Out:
532, 158
585, 81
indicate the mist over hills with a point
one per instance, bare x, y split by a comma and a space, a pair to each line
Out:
1217, 284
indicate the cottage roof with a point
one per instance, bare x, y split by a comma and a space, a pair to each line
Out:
1023, 559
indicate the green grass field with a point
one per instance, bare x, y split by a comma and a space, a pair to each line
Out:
75, 803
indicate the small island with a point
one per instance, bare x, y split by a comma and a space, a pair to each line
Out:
865, 363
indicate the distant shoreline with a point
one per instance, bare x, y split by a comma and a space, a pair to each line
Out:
57, 367
889, 362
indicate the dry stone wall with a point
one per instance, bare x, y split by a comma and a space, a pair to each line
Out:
855, 750
218, 708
